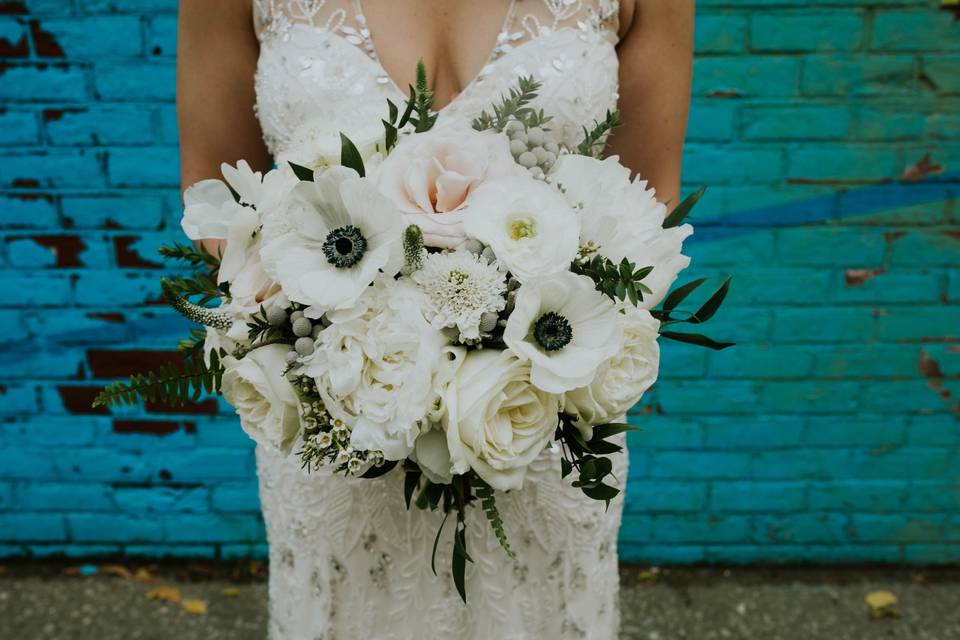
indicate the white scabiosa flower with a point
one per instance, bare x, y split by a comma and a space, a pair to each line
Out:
460, 287
621, 218
622, 380
565, 328
374, 368
339, 235
531, 228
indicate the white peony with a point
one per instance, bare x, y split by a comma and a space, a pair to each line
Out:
565, 328
374, 368
432, 176
262, 396
622, 380
622, 218
496, 421
338, 235
460, 288
529, 225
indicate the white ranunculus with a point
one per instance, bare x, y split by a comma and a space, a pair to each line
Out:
431, 177
621, 218
262, 396
565, 328
209, 210
338, 234
374, 367
496, 421
621, 380
529, 225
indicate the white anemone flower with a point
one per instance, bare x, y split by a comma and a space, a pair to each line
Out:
460, 288
340, 234
529, 225
621, 218
565, 328
209, 209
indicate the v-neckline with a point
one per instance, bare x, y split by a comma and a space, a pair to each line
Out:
494, 50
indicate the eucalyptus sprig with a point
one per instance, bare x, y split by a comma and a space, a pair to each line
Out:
588, 457
667, 314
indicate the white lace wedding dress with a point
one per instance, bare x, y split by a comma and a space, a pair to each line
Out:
348, 561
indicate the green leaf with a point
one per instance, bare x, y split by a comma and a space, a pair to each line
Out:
680, 293
304, 174
410, 482
683, 209
392, 110
604, 431
436, 542
601, 492
349, 156
697, 339
460, 558
710, 307
382, 470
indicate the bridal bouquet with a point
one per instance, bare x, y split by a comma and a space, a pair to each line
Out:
447, 299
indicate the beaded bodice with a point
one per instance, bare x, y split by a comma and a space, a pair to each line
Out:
319, 73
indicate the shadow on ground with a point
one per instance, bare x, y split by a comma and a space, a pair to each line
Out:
201, 601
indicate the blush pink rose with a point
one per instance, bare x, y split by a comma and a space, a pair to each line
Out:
430, 177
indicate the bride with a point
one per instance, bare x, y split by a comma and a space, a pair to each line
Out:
279, 79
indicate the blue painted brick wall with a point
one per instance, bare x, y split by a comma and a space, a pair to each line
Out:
830, 433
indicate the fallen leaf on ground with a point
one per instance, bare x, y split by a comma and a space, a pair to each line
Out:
116, 570
142, 575
168, 594
649, 575
198, 607
231, 592
882, 604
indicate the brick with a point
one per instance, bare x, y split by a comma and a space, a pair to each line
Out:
110, 125
761, 497
745, 77
859, 75
821, 31
700, 528
60, 496
654, 495
61, 168
134, 82
35, 289
863, 430
18, 128
842, 163
714, 165
699, 464
87, 527
720, 33
42, 82
23, 211
889, 287
810, 396
927, 247
803, 528
214, 528
917, 324
933, 430
762, 361
858, 495
757, 432
783, 122
162, 499
933, 496
867, 361
42, 430
886, 123
914, 31
152, 167
206, 465
661, 432
162, 36
106, 465
667, 554
96, 38
896, 528
235, 496
32, 527
128, 211
128, 6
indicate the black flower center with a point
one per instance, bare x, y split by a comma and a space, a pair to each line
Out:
552, 331
344, 246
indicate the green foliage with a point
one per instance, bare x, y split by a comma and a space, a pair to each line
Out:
621, 281
171, 385
193, 343
683, 209
594, 139
350, 157
420, 104
195, 257
488, 503
200, 284
516, 106
588, 457
667, 314
304, 174
201, 315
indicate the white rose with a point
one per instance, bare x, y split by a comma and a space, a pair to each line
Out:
262, 396
565, 328
431, 177
622, 219
374, 368
531, 228
431, 454
623, 379
496, 421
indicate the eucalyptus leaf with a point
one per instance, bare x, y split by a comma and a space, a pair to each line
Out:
710, 307
303, 173
349, 155
697, 339
683, 209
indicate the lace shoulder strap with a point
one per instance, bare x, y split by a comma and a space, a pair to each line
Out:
274, 19
534, 18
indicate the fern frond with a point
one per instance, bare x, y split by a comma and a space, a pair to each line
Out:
171, 385
489, 505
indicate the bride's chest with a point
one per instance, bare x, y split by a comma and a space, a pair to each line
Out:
317, 78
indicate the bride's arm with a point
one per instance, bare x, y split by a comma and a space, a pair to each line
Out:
656, 54
216, 59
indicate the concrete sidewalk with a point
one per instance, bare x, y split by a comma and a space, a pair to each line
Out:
104, 602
